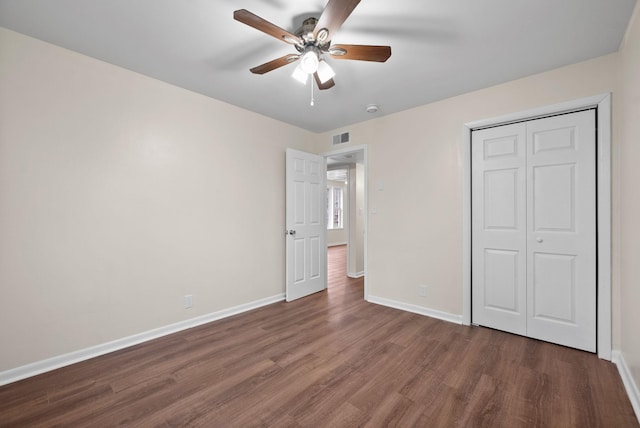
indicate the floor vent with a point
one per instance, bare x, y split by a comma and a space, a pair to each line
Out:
341, 138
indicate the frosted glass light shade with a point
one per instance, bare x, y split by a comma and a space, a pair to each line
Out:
300, 75
309, 62
325, 72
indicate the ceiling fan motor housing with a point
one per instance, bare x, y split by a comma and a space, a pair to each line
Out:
305, 33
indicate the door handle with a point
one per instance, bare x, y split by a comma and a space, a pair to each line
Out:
291, 232
539, 240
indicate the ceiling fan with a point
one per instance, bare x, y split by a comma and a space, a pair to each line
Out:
313, 40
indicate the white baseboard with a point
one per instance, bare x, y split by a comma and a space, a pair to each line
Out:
336, 244
420, 310
627, 379
23, 372
356, 275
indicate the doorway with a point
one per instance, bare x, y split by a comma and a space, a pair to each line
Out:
347, 217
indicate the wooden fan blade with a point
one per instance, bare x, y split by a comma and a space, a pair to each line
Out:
326, 85
361, 52
334, 15
265, 26
276, 63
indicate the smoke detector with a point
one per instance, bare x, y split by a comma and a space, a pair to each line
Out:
372, 108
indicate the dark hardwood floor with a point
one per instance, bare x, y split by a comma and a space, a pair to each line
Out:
328, 360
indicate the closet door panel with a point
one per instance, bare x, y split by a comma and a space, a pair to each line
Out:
499, 232
561, 230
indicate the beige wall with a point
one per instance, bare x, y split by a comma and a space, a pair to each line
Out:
119, 194
629, 213
415, 180
336, 237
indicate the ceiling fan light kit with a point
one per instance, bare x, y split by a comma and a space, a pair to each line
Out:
300, 75
309, 60
312, 41
325, 72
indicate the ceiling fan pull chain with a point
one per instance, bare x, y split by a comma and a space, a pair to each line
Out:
313, 102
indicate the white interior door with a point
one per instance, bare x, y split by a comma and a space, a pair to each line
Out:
499, 228
306, 226
561, 219
534, 229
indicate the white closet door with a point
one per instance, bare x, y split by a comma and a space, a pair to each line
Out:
534, 229
561, 218
499, 228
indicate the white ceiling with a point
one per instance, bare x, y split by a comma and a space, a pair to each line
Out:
439, 48
338, 175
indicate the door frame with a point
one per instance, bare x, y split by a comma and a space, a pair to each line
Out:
602, 103
344, 151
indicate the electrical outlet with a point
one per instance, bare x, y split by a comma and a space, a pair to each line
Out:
188, 301
422, 290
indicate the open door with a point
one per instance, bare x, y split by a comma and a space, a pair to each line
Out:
306, 226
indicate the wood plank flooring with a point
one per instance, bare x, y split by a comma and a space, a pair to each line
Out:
328, 360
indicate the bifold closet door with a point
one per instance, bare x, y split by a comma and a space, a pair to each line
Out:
534, 229
499, 235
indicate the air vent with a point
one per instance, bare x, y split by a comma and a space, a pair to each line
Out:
341, 138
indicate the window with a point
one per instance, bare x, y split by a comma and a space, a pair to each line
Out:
334, 207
